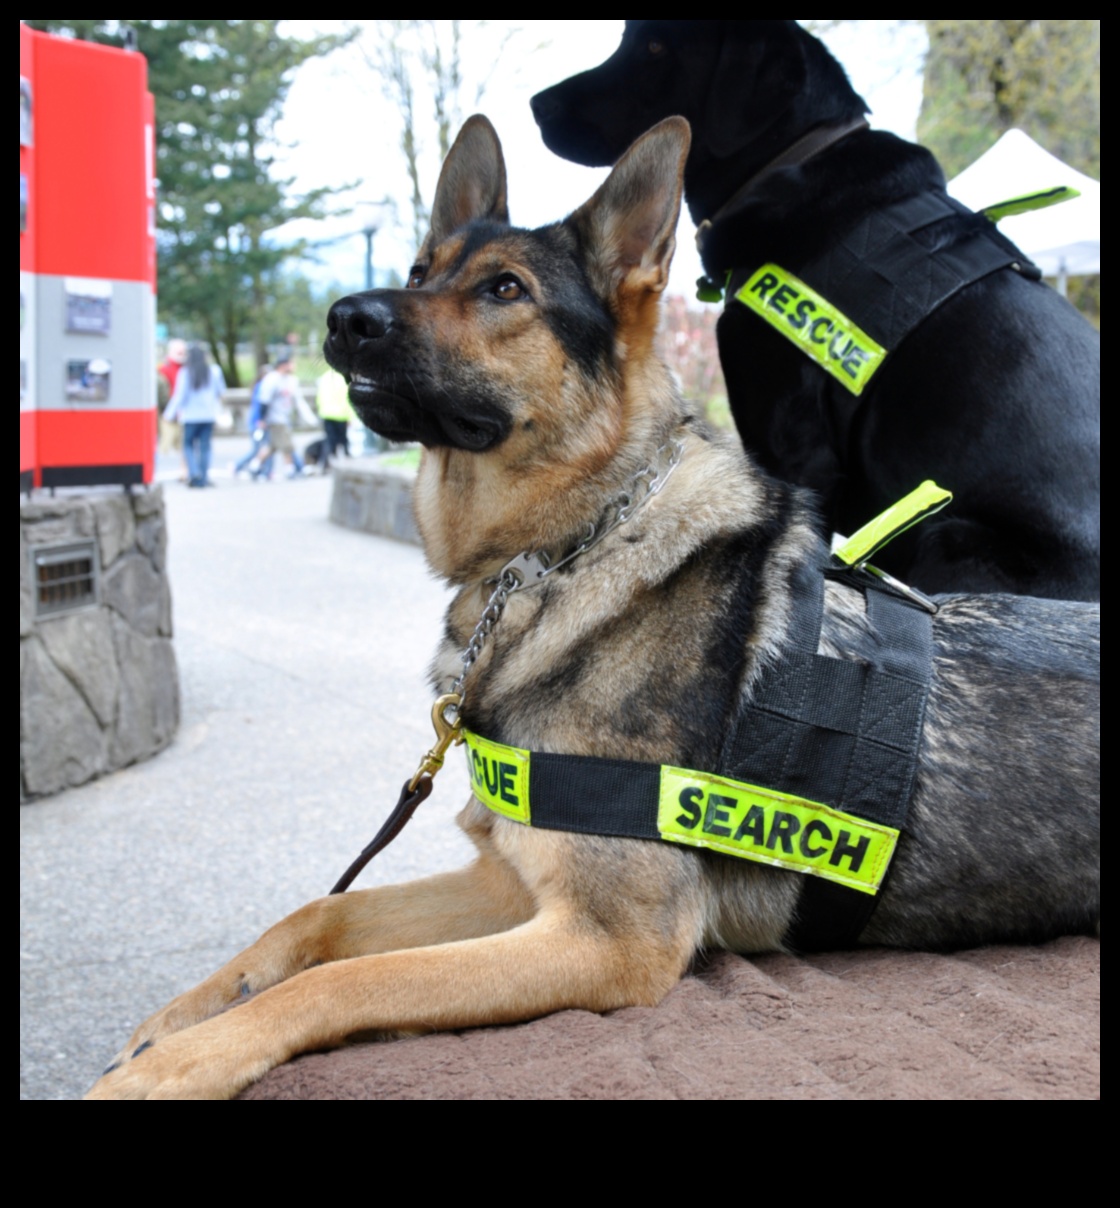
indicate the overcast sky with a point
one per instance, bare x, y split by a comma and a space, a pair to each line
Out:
339, 128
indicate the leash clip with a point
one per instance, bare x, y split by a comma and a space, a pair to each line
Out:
882, 580
448, 732
526, 570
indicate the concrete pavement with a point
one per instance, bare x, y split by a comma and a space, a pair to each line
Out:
302, 651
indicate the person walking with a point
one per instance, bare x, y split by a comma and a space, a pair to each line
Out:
257, 424
195, 403
171, 434
281, 395
332, 400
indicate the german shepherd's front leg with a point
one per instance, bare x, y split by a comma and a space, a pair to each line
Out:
556, 960
484, 898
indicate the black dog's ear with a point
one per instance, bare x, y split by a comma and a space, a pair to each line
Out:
472, 181
629, 225
760, 72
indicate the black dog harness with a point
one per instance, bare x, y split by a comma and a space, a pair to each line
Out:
849, 308
816, 775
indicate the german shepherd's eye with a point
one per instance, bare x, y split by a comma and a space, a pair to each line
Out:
509, 289
416, 276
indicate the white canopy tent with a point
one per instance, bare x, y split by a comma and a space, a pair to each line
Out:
1063, 240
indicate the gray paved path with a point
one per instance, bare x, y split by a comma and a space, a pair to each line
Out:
302, 652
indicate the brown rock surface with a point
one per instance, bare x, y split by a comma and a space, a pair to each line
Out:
989, 1023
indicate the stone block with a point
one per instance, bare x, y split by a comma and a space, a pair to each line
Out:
26, 589
377, 501
165, 629
151, 539
147, 503
116, 528
133, 588
57, 521
148, 702
99, 687
60, 741
165, 696
81, 647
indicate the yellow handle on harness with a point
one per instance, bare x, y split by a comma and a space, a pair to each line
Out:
908, 511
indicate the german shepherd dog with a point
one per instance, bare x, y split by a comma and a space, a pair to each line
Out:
996, 395
523, 361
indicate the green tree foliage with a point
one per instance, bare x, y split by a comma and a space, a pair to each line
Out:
296, 306
984, 77
219, 89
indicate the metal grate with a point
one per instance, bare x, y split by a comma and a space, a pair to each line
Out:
65, 576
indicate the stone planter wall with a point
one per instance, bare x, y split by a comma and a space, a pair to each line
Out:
99, 687
375, 499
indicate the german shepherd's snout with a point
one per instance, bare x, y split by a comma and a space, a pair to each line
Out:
353, 321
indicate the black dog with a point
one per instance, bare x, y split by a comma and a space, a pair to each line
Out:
990, 383
316, 453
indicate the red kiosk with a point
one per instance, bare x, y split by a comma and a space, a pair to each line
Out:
86, 265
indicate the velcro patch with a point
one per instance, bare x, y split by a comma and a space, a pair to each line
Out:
822, 332
499, 776
737, 819
700, 809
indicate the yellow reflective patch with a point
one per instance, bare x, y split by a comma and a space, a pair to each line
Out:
923, 501
700, 809
499, 776
704, 810
1028, 202
811, 322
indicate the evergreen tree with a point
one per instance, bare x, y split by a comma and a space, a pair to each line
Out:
219, 88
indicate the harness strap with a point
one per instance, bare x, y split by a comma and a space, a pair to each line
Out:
875, 749
819, 139
879, 277
816, 776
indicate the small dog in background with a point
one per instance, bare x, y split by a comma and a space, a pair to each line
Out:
554, 438
995, 394
316, 454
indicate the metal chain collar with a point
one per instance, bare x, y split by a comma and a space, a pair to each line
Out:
531, 569
526, 570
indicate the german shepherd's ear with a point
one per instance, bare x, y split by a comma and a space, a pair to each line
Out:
472, 182
629, 225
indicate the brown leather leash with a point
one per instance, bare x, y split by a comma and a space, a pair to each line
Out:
526, 570
392, 827
447, 722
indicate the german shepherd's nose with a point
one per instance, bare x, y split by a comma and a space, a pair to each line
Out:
353, 320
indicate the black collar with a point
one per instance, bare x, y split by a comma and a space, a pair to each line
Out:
808, 145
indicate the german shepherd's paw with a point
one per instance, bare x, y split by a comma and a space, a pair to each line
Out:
213, 1060
208, 999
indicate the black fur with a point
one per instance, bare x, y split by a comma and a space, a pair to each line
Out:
996, 396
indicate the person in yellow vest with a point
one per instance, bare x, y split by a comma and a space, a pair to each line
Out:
332, 401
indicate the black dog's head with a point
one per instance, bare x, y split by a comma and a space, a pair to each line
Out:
748, 89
